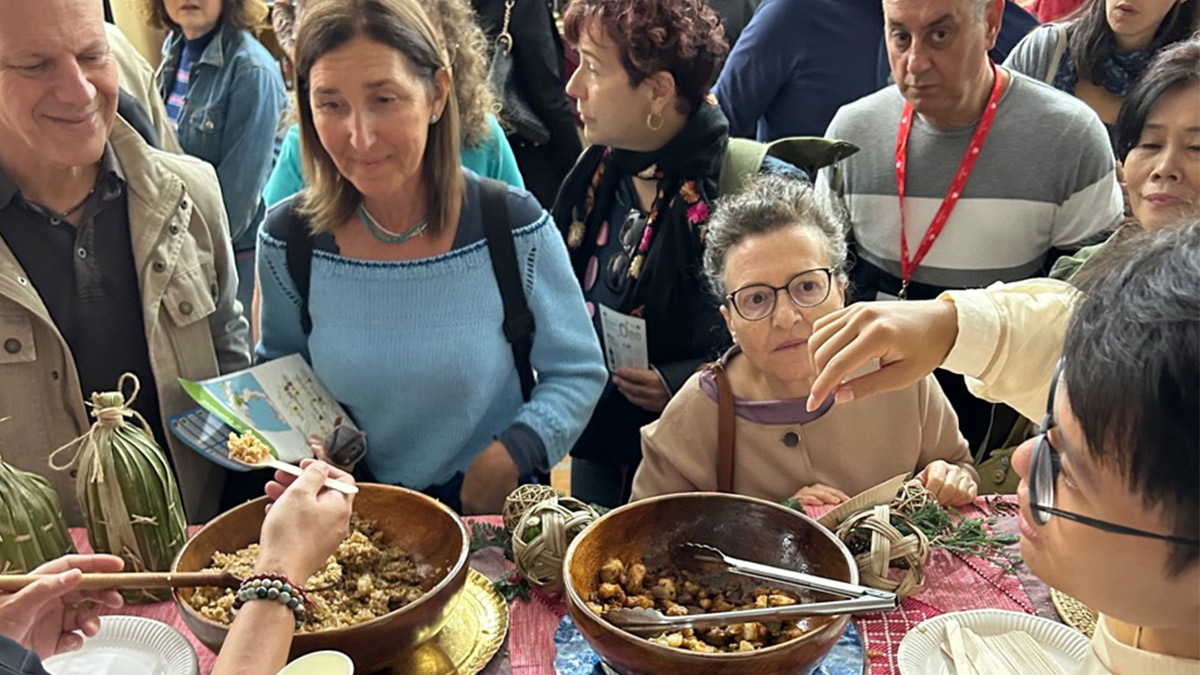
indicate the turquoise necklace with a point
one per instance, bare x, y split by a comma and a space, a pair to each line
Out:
385, 235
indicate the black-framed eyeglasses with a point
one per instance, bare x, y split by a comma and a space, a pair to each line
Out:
629, 236
1043, 475
807, 289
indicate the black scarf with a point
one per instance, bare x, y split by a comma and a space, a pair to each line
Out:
687, 168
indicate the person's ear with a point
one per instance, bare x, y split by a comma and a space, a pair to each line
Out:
994, 15
662, 91
728, 321
441, 91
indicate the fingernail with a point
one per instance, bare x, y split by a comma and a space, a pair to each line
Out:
811, 404
843, 396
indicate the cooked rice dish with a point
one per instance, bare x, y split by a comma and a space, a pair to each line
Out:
363, 580
247, 449
680, 593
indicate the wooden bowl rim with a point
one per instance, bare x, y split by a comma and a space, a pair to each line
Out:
455, 571
577, 603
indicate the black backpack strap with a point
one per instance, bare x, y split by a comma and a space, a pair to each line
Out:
299, 263
519, 324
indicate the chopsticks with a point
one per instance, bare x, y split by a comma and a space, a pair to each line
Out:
12, 583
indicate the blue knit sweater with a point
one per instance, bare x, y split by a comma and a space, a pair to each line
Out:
414, 349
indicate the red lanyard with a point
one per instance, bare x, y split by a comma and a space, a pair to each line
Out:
960, 180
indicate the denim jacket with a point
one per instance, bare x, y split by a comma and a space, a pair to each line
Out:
231, 119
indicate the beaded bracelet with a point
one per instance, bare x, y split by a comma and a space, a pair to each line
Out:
274, 587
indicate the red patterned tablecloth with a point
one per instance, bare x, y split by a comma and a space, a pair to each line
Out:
952, 584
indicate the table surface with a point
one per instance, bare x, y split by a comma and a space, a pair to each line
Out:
952, 583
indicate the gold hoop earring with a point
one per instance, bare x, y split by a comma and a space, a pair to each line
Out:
650, 121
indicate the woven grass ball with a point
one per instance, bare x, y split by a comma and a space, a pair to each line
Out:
518, 502
542, 536
912, 497
886, 547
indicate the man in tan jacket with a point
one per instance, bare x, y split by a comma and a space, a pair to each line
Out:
114, 257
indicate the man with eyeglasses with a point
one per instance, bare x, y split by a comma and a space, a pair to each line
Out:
1110, 496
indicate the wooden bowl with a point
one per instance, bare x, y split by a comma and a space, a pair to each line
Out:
424, 527
743, 527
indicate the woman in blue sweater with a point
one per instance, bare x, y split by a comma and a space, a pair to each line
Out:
406, 316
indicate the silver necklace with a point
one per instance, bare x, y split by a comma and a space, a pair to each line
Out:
385, 235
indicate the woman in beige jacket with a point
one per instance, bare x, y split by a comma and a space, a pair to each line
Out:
774, 237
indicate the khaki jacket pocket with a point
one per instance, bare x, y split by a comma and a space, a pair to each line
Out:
188, 297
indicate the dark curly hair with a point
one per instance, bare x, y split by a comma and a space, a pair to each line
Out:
683, 37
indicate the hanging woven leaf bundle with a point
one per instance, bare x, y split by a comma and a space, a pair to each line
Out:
32, 529
127, 491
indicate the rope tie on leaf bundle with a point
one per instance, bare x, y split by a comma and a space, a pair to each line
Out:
109, 409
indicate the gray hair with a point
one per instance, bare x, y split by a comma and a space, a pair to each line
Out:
980, 7
766, 204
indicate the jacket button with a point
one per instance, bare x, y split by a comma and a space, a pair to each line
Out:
159, 266
999, 475
74, 473
12, 345
183, 204
185, 308
174, 229
791, 439
54, 374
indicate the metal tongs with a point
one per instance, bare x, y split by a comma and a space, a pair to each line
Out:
647, 622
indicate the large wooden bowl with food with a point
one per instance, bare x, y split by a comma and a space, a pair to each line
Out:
433, 537
650, 533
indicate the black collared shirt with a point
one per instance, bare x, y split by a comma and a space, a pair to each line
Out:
87, 278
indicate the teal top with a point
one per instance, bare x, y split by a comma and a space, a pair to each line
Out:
492, 158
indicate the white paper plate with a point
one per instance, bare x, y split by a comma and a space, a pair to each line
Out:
921, 650
129, 645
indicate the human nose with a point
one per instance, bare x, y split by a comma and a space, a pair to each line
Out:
1022, 458
362, 131
574, 90
786, 313
1170, 162
917, 61
73, 85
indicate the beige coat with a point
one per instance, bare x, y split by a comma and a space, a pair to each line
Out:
194, 324
136, 76
852, 447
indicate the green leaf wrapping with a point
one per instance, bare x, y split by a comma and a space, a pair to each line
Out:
130, 500
32, 529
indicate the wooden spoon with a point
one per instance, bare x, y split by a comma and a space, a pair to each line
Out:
11, 583
272, 463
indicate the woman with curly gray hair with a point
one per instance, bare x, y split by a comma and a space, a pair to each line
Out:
484, 148
775, 259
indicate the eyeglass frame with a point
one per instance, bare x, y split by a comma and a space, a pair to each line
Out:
1043, 451
774, 297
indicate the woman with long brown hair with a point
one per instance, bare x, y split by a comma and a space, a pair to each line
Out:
402, 319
